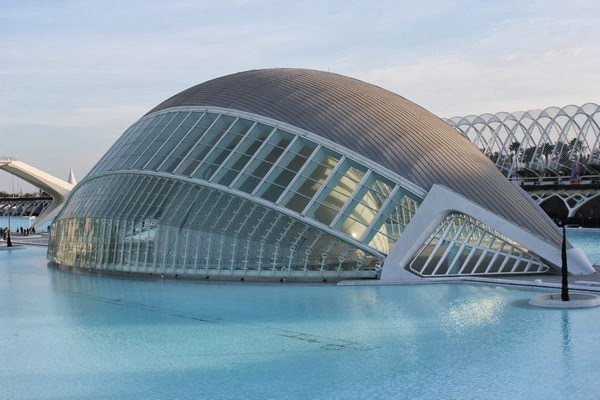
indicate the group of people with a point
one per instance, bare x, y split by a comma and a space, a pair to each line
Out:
26, 231
22, 231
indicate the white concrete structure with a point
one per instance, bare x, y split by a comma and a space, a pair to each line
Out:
292, 174
447, 237
57, 188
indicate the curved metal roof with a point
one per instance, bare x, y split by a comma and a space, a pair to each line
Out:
378, 124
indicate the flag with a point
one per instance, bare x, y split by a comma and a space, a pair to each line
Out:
575, 174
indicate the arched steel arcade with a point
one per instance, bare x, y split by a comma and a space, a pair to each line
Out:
554, 154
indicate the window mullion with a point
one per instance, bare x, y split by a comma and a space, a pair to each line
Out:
299, 173
324, 185
251, 160
165, 140
275, 164
231, 154
186, 135
223, 136
355, 192
382, 211
150, 144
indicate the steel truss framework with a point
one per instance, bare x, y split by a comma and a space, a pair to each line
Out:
538, 143
23, 207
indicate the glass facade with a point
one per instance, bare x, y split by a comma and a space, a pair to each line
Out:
201, 192
461, 245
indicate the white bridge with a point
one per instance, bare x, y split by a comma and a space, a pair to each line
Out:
575, 204
56, 188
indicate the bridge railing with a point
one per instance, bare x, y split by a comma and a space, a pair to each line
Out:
556, 180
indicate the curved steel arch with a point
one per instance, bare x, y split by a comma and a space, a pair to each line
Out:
559, 127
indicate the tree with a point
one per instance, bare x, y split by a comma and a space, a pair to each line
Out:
547, 149
576, 147
529, 154
561, 149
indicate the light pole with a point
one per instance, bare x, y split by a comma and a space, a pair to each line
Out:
8, 241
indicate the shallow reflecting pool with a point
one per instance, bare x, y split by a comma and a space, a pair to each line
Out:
71, 336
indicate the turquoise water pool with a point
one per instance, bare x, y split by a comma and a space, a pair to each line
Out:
588, 240
72, 336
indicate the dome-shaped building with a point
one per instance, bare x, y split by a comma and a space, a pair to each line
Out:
300, 175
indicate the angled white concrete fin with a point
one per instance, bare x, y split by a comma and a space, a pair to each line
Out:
441, 202
57, 188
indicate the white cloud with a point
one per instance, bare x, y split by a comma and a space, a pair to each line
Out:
520, 64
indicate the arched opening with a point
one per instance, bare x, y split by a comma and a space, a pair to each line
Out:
588, 215
555, 208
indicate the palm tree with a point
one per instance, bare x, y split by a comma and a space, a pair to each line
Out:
547, 149
514, 148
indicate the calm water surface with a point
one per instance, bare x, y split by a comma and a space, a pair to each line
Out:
74, 336
16, 223
588, 240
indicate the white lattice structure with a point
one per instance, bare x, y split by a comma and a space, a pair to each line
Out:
573, 199
538, 143
462, 245
24, 207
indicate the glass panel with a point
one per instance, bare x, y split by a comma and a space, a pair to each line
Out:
312, 178
392, 225
178, 145
202, 148
367, 202
244, 152
222, 149
207, 120
157, 140
191, 119
177, 119
249, 183
337, 192
263, 162
241, 127
150, 133
287, 169
188, 141
382, 243
395, 218
354, 228
168, 146
125, 145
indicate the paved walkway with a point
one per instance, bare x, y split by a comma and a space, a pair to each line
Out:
39, 239
585, 283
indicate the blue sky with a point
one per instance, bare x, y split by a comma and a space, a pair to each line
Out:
75, 74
